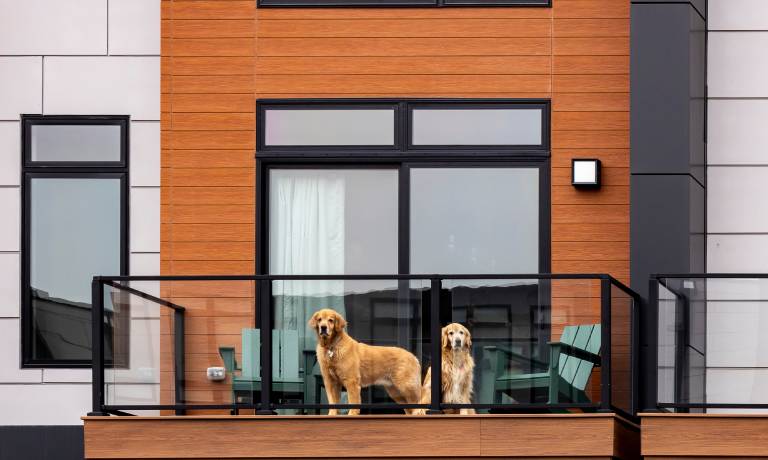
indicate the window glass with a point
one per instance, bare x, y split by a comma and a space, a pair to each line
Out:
330, 127
333, 221
75, 142
74, 234
477, 126
474, 220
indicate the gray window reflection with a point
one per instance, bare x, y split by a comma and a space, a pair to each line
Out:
75, 142
474, 220
330, 127
75, 234
477, 126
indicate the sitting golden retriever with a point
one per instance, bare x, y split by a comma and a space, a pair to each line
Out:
345, 362
458, 369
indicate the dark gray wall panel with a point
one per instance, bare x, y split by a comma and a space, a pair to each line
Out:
41, 443
668, 89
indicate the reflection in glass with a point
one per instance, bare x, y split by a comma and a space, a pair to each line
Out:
75, 142
477, 126
330, 127
75, 234
474, 220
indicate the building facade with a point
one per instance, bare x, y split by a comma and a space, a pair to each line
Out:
407, 137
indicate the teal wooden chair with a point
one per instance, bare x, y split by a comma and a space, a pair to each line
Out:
571, 362
289, 367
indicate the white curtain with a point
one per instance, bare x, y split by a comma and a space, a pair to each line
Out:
306, 238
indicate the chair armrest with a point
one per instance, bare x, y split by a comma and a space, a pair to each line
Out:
228, 356
570, 350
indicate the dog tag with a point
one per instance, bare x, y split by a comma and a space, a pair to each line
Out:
330, 353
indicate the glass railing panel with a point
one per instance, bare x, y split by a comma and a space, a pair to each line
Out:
712, 352
517, 327
342, 316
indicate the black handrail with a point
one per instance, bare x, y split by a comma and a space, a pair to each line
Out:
263, 316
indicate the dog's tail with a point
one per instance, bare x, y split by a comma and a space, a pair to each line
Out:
426, 388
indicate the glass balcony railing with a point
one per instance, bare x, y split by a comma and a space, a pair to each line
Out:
711, 346
541, 342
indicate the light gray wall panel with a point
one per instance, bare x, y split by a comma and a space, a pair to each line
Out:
738, 15
737, 132
737, 199
738, 64
53, 27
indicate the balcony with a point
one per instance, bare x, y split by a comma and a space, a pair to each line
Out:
710, 354
181, 369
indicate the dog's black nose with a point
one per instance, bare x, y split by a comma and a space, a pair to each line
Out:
323, 329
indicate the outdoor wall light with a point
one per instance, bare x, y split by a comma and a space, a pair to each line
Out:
585, 172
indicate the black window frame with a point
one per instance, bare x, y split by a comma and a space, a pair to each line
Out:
66, 169
403, 157
403, 128
400, 3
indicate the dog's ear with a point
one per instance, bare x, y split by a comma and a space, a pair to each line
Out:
469, 338
340, 323
312, 323
444, 336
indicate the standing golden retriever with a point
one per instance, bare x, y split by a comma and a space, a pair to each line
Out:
458, 369
345, 362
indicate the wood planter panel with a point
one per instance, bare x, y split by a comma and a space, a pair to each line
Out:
671, 436
509, 436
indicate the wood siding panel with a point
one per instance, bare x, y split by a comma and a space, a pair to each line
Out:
220, 56
673, 436
536, 436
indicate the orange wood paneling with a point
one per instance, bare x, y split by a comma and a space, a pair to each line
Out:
220, 56
535, 436
677, 436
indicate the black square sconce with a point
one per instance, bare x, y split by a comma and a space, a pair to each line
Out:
585, 172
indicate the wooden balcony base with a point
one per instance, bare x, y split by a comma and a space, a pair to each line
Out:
691, 436
538, 436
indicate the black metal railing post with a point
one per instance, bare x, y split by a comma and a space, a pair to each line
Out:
178, 359
605, 369
651, 363
435, 346
97, 344
264, 312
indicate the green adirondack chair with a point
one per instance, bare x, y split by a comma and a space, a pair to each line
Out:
572, 360
289, 367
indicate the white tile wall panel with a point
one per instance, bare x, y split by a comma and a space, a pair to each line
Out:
145, 219
737, 386
10, 153
144, 264
120, 85
134, 27
735, 334
10, 210
66, 375
737, 133
737, 199
145, 153
21, 83
9, 285
737, 15
53, 27
725, 289
737, 254
49, 404
10, 358
737, 64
